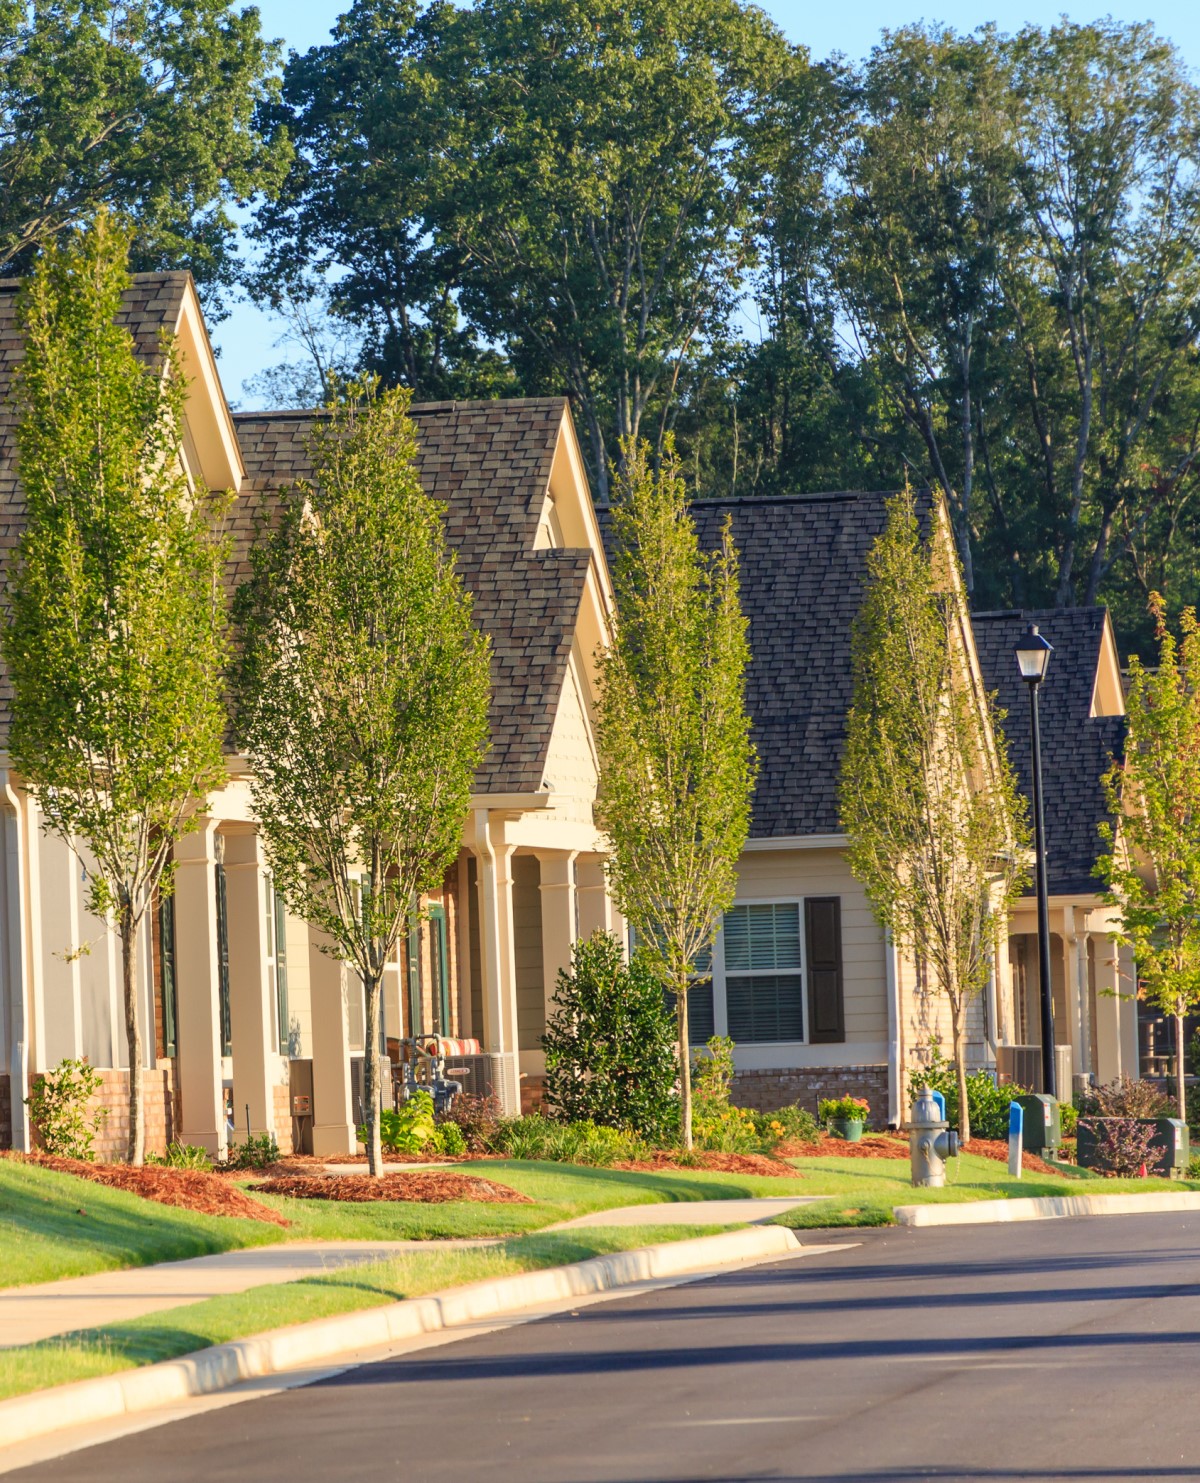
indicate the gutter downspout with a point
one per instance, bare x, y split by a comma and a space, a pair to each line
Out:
14, 932
895, 1116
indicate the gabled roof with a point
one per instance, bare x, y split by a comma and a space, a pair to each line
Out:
802, 565
1077, 746
490, 462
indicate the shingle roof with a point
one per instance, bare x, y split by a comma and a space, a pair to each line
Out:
802, 565
1076, 746
490, 463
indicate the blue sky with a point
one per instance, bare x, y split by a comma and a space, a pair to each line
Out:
247, 338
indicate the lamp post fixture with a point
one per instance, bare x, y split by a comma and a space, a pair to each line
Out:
1033, 658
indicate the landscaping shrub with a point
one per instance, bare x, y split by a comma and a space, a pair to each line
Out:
477, 1119
610, 1044
987, 1103
57, 1105
790, 1124
408, 1128
1193, 1167
1123, 1145
583, 1142
181, 1156
843, 1109
259, 1152
717, 1125
1126, 1098
1068, 1119
449, 1139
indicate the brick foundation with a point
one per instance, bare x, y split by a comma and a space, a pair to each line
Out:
767, 1091
160, 1112
283, 1118
5, 1112
533, 1091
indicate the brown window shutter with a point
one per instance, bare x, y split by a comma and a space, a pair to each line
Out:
823, 942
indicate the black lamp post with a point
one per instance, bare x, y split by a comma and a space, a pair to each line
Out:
1033, 658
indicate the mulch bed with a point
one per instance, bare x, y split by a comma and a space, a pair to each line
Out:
997, 1148
720, 1163
433, 1188
870, 1146
186, 1189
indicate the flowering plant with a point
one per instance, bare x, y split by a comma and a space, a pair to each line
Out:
843, 1109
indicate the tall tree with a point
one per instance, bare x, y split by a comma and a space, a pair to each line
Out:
146, 106
929, 802
1152, 866
677, 766
115, 642
361, 694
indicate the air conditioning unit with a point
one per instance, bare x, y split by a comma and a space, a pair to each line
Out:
1019, 1065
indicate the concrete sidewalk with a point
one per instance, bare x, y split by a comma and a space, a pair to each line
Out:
29, 1314
691, 1213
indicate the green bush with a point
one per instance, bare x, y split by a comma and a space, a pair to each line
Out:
259, 1152
1125, 1097
610, 1044
584, 1142
790, 1124
1123, 1145
57, 1105
717, 1125
408, 1128
182, 1156
1193, 1167
987, 1103
449, 1139
1068, 1118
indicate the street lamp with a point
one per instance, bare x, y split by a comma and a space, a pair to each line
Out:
1033, 659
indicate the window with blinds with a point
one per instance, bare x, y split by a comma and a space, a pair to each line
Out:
764, 972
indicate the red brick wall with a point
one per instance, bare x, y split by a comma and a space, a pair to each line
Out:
160, 1110
767, 1091
5, 1112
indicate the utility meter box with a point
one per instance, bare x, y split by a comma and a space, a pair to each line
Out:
1171, 1138
1043, 1125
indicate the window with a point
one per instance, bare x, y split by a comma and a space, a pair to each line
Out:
764, 972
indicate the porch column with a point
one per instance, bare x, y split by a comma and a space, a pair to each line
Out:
251, 1013
499, 969
329, 984
1127, 983
1083, 1046
593, 902
1076, 1011
1109, 1060
558, 916
197, 991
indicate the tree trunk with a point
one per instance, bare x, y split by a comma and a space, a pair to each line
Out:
685, 1062
372, 987
136, 1149
957, 1014
1180, 1089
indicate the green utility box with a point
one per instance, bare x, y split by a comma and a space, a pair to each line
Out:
1043, 1125
1171, 1137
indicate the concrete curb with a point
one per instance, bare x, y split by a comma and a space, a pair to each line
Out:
1050, 1207
83, 1402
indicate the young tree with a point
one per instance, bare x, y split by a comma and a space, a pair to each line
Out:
677, 766
1152, 868
932, 809
361, 694
116, 637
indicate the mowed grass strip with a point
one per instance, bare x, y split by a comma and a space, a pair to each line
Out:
160, 1336
864, 1191
55, 1225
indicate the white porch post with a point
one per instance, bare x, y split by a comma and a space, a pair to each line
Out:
1109, 1060
1127, 982
329, 982
594, 905
197, 1009
499, 969
558, 918
16, 961
252, 1021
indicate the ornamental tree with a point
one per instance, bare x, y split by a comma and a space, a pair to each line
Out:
361, 694
1152, 865
115, 643
930, 804
677, 766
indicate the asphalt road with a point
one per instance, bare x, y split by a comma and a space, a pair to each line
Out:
1067, 1349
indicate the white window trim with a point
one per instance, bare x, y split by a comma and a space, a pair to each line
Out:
720, 1003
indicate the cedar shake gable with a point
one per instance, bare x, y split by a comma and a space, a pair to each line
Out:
1077, 744
489, 462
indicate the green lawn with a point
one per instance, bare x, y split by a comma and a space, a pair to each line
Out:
55, 1225
159, 1336
865, 1190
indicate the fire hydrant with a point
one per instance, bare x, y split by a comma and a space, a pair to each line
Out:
931, 1140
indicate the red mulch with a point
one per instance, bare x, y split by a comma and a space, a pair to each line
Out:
870, 1146
187, 1189
997, 1148
720, 1163
434, 1188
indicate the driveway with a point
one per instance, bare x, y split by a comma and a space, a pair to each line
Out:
1059, 1350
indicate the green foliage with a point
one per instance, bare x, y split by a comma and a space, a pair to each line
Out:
450, 1139
361, 692
409, 1128
610, 1043
1068, 1119
1123, 1145
987, 1103
149, 109
789, 1124
115, 641
1125, 1097
258, 1152
1155, 792
843, 1109
930, 805
57, 1103
538, 1137
181, 1156
677, 764
716, 1124
1193, 1167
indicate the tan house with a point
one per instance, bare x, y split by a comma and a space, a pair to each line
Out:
254, 1026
